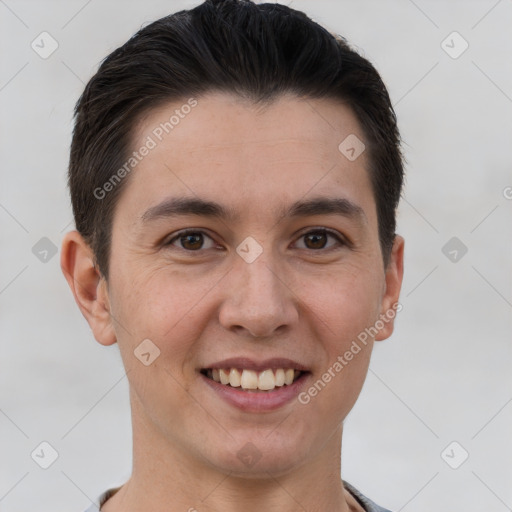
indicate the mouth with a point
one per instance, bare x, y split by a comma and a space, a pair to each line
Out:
254, 381
255, 386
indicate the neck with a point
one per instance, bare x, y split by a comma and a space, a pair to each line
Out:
167, 478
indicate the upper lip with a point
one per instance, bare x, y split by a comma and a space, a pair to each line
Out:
258, 366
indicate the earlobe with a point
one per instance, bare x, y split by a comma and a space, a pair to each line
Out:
390, 305
88, 286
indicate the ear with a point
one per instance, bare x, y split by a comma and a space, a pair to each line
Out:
88, 286
393, 283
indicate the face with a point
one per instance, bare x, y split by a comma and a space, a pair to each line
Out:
281, 269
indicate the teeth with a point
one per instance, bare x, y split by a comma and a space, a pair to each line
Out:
224, 376
280, 377
266, 380
234, 378
249, 379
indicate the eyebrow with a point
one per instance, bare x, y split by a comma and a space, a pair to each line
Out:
180, 206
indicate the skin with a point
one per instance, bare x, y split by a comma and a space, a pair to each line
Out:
298, 299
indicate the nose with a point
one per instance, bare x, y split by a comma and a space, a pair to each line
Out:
258, 302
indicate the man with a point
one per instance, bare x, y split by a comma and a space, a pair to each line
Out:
235, 171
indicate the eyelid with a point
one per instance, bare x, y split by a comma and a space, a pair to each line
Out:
341, 239
184, 232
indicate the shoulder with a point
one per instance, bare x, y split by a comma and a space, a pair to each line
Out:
367, 503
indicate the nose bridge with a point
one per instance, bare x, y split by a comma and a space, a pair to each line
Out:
257, 299
260, 284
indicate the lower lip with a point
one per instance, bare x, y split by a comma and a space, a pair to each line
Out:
258, 401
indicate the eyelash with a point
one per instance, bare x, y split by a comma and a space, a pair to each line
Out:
323, 231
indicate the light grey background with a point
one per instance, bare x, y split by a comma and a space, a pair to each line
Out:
445, 373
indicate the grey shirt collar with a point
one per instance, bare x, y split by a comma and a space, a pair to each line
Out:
365, 502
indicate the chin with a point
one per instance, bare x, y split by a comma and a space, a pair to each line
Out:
256, 457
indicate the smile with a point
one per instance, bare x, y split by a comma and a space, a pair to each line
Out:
250, 380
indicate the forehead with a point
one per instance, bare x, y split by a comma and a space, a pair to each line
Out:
221, 121
248, 156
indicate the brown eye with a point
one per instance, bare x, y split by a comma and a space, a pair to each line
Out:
190, 240
193, 241
318, 239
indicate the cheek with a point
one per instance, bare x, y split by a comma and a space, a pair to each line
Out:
344, 302
342, 309
163, 308
348, 305
160, 307
333, 394
160, 301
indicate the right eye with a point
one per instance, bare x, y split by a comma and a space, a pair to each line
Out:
191, 240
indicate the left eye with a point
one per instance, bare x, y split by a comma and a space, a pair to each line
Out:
318, 238
194, 240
